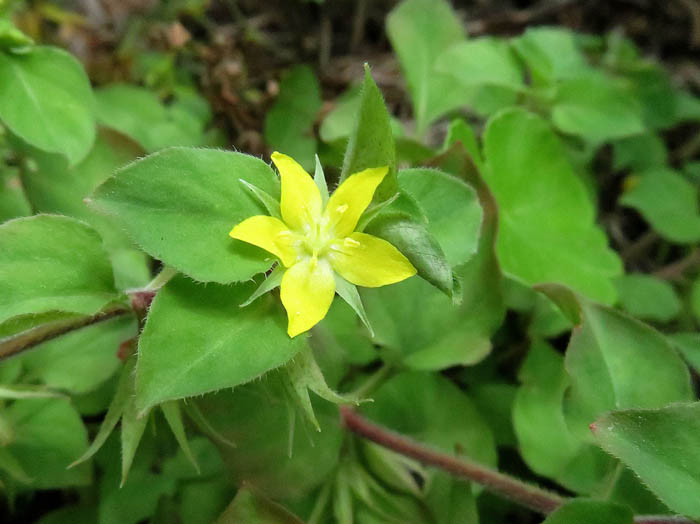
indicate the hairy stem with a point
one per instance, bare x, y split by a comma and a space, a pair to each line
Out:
28, 339
528, 495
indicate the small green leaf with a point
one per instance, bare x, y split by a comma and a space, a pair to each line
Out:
11, 38
350, 295
262, 456
451, 207
611, 360
662, 446
371, 143
180, 204
648, 298
695, 298
133, 424
270, 282
551, 53
197, 340
13, 199
114, 412
249, 506
47, 101
640, 152
546, 222
138, 113
44, 455
420, 30
481, 61
302, 375
109, 152
587, 511
461, 131
544, 439
419, 246
272, 205
320, 180
423, 406
597, 109
668, 202
289, 122
52, 263
171, 411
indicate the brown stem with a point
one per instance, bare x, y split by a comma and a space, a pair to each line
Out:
520, 492
527, 495
45, 332
675, 270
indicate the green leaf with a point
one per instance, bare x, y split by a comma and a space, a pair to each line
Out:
289, 122
303, 375
109, 152
371, 143
11, 38
271, 205
180, 204
611, 360
587, 511
249, 506
418, 326
597, 109
640, 152
44, 454
270, 282
546, 222
197, 340
116, 408
420, 30
551, 53
544, 439
46, 100
138, 113
423, 406
262, 456
52, 263
461, 131
13, 200
92, 349
338, 123
695, 298
451, 207
481, 61
419, 246
662, 446
668, 202
647, 297
171, 411
348, 292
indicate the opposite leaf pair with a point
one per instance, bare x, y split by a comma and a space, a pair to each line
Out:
315, 240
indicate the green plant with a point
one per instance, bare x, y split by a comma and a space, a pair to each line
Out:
522, 333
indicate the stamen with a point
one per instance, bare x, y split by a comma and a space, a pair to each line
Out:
342, 209
350, 242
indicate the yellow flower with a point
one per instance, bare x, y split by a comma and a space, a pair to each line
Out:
316, 246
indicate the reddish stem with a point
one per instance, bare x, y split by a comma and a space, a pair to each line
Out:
520, 492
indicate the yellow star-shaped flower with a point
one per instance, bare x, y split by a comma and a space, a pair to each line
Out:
315, 245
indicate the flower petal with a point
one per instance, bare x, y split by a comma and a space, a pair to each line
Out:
369, 261
307, 291
352, 197
269, 233
301, 200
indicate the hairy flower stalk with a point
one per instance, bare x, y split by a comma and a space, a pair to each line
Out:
317, 246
